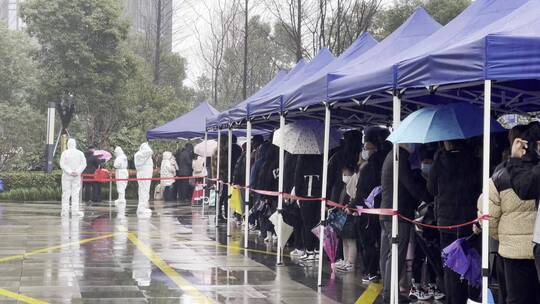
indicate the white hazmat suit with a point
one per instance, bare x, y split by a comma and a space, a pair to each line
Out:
73, 163
121, 166
145, 168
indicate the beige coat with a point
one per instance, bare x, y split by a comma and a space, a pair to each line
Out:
511, 222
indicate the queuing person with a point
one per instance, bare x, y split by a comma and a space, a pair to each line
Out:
307, 183
411, 192
72, 163
427, 265
373, 154
121, 166
184, 160
524, 170
506, 210
168, 169
145, 168
268, 180
347, 153
349, 232
455, 182
92, 190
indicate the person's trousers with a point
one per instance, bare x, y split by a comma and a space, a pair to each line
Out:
311, 216
404, 234
169, 194
71, 185
224, 202
349, 251
457, 290
92, 191
537, 259
521, 281
369, 236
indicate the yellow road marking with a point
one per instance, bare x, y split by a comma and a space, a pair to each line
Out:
370, 294
47, 249
215, 243
20, 297
196, 295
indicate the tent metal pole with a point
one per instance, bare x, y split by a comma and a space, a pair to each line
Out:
229, 181
280, 188
218, 183
205, 178
248, 171
326, 148
485, 189
394, 279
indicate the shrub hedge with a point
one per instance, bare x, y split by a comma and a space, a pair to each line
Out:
39, 186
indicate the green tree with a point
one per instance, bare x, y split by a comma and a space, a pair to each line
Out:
83, 57
18, 71
392, 17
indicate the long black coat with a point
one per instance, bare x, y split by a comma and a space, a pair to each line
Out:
455, 180
369, 177
308, 175
525, 177
412, 186
92, 162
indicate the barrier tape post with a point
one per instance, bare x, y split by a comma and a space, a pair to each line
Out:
394, 278
229, 188
248, 171
485, 188
218, 185
279, 258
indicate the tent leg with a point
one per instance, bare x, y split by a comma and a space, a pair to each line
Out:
205, 180
394, 280
485, 189
327, 118
219, 188
229, 166
248, 171
280, 190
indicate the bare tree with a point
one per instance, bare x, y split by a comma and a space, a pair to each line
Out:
246, 35
220, 18
290, 16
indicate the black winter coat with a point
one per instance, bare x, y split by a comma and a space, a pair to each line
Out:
369, 177
455, 180
525, 177
92, 162
288, 175
308, 175
335, 182
412, 186
239, 173
184, 159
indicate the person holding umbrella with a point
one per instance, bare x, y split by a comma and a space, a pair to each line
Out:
92, 190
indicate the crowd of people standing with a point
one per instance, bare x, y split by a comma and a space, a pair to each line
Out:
439, 184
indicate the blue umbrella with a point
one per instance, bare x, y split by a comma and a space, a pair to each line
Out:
444, 122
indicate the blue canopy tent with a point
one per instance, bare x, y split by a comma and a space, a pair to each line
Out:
490, 41
188, 126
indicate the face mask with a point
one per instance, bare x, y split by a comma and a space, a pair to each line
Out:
346, 179
425, 169
365, 154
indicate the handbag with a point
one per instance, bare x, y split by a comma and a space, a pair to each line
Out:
212, 198
337, 218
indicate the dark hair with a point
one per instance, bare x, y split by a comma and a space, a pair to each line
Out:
517, 132
532, 135
427, 151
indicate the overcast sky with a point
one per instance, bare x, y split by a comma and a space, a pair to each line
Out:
191, 16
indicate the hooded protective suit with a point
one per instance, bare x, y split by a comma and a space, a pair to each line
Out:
145, 167
168, 169
121, 166
73, 163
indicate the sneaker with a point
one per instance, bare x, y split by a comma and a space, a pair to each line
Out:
434, 292
308, 256
369, 278
77, 213
144, 213
340, 263
297, 253
418, 294
346, 268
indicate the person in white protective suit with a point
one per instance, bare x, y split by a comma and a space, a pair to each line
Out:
121, 166
145, 168
73, 163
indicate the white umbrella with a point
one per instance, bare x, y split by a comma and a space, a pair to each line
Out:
210, 149
307, 137
286, 229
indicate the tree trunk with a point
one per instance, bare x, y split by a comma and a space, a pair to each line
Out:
299, 31
244, 84
157, 55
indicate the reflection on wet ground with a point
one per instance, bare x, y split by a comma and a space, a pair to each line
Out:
174, 257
